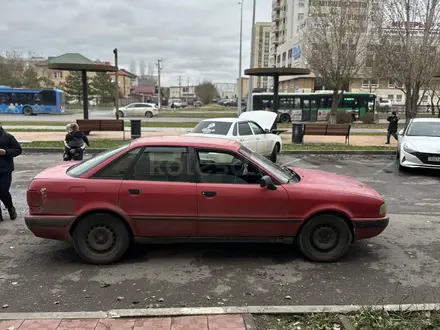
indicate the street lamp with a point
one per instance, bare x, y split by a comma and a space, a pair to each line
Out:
240, 87
249, 103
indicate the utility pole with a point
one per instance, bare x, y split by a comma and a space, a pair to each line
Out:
115, 52
240, 82
159, 91
180, 88
251, 87
187, 92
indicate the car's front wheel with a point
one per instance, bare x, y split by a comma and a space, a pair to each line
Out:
120, 114
148, 114
101, 239
325, 238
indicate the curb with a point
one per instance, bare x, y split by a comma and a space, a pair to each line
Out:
29, 150
162, 312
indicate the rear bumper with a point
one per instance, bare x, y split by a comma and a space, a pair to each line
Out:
51, 227
367, 228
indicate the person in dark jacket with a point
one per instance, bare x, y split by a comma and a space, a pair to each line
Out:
74, 143
9, 148
392, 126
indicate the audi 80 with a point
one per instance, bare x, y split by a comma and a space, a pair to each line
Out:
172, 189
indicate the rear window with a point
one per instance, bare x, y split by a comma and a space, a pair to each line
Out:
80, 169
212, 127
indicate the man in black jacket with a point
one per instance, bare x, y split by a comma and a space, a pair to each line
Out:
9, 148
392, 126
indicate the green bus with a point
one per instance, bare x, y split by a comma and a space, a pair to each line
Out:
314, 106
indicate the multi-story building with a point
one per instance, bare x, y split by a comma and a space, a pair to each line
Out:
262, 47
244, 86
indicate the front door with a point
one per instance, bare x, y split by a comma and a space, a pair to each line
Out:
231, 202
246, 137
159, 194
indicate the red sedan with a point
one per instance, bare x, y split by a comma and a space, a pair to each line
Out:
180, 188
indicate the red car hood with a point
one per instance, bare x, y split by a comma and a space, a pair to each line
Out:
335, 181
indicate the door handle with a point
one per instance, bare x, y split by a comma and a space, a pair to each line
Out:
209, 193
134, 191
258, 138
241, 140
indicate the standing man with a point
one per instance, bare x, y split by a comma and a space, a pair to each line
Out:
392, 126
9, 148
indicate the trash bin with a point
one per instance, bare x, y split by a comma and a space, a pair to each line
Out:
297, 133
135, 128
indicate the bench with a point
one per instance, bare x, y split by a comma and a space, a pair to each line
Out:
329, 130
101, 125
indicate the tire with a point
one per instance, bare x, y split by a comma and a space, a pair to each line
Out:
284, 118
121, 114
108, 226
274, 154
386, 108
149, 114
330, 224
27, 111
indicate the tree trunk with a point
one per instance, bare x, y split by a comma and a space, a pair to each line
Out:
332, 118
432, 103
411, 104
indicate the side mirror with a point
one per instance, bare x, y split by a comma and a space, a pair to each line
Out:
401, 132
266, 182
267, 130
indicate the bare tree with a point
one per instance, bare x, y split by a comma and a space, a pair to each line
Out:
206, 91
150, 70
408, 46
133, 66
16, 72
336, 43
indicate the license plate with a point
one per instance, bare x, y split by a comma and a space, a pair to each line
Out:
434, 159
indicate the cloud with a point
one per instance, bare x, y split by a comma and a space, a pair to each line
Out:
197, 39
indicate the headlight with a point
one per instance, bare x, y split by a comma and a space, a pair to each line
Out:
408, 149
383, 210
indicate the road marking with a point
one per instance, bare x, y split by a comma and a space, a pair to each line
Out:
383, 168
293, 161
157, 312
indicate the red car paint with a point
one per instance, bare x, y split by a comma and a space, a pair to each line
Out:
179, 209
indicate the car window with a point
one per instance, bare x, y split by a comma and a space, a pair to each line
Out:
431, 129
87, 165
141, 106
244, 129
256, 128
130, 106
225, 167
118, 168
168, 164
212, 127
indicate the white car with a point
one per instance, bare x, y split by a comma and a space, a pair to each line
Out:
138, 109
419, 144
252, 129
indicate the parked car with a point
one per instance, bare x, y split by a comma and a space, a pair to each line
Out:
252, 129
178, 104
219, 190
138, 109
419, 144
198, 104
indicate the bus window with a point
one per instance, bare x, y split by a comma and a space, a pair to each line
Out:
4, 98
286, 103
297, 103
314, 104
48, 97
306, 104
257, 102
350, 103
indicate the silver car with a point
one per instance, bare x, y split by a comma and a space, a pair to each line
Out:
419, 144
138, 109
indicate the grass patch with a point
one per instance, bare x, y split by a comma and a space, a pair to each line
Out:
127, 124
177, 114
108, 143
363, 320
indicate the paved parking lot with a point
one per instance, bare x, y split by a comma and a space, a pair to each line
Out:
402, 265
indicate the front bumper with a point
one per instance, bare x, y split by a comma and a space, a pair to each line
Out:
367, 228
51, 227
412, 161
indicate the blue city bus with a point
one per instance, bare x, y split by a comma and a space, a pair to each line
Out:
31, 101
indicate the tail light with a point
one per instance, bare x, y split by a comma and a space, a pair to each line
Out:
34, 198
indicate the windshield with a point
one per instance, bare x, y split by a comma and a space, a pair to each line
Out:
212, 127
282, 173
79, 169
431, 129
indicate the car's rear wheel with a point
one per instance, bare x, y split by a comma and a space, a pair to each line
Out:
149, 114
325, 238
284, 118
274, 155
101, 239
121, 114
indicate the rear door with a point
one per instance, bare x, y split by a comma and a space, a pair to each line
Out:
263, 140
159, 194
246, 136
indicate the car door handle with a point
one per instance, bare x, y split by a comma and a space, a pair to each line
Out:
258, 138
241, 140
134, 191
209, 193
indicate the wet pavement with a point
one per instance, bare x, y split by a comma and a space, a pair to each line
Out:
400, 266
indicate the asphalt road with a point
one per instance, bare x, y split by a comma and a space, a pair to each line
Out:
401, 265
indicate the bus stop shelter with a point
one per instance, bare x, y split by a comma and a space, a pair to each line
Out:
78, 62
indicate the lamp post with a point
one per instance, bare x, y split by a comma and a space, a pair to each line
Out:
249, 103
240, 85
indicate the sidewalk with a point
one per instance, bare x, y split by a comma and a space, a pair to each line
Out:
215, 322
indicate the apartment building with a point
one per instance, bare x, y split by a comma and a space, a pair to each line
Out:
262, 47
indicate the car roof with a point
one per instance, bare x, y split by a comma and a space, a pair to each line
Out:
426, 120
187, 141
227, 120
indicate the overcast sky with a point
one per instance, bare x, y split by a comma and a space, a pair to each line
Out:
197, 39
